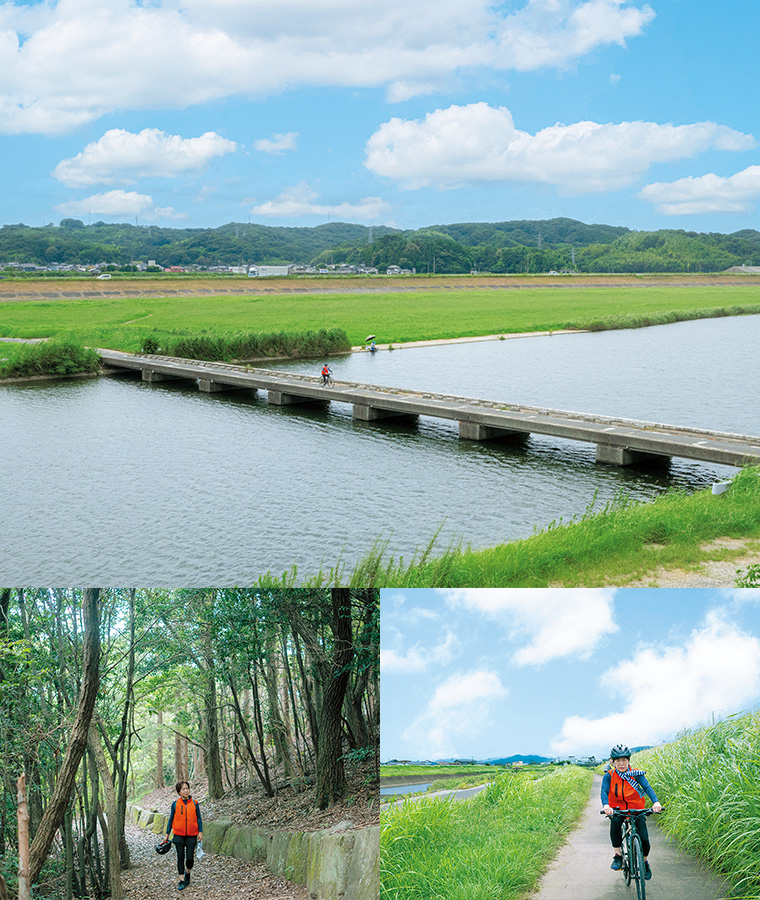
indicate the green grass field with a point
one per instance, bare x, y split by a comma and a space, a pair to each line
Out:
494, 846
709, 783
122, 323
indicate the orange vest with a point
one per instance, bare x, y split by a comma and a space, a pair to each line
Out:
185, 822
622, 795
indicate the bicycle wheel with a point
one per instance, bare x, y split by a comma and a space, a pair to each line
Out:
637, 861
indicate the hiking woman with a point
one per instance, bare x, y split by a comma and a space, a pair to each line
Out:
185, 821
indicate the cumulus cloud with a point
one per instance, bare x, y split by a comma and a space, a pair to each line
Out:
549, 624
183, 52
706, 194
278, 143
300, 200
480, 143
121, 156
460, 709
660, 691
419, 658
118, 203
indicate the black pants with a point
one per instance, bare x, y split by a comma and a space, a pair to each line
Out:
616, 832
185, 847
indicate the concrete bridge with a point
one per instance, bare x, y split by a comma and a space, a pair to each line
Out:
620, 442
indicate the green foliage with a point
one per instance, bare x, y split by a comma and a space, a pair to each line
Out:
709, 783
249, 345
749, 577
59, 358
492, 846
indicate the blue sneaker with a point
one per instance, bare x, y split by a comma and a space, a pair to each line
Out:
617, 863
647, 870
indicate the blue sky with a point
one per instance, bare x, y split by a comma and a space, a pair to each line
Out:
298, 112
489, 673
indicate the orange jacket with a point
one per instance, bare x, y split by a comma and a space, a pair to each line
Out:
622, 795
185, 821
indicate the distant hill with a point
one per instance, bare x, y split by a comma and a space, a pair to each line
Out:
508, 760
516, 247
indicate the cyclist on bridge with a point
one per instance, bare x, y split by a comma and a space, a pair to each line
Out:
326, 373
627, 788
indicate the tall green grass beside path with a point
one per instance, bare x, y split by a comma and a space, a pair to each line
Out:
494, 846
120, 323
55, 358
709, 784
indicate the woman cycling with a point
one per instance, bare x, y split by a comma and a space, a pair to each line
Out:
627, 788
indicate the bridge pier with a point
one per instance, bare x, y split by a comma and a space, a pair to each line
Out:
282, 398
374, 413
153, 377
622, 456
209, 386
472, 431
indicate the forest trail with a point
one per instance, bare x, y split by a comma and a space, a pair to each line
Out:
154, 877
581, 870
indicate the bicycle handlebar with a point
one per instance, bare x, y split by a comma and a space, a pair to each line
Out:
629, 812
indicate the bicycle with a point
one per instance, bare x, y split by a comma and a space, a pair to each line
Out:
633, 855
327, 380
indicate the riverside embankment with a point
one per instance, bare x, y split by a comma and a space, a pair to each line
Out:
338, 863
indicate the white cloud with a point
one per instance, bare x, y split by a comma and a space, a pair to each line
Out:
121, 156
461, 708
118, 203
659, 692
177, 53
278, 143
300, 200
706, 194
549, 623
419, 658
480, 143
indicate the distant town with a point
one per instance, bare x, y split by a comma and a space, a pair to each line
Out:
251, 271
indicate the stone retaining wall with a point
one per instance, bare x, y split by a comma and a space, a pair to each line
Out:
334, 864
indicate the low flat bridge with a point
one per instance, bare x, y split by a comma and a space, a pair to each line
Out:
619, 442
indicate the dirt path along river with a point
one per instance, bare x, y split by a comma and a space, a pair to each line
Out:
582, 871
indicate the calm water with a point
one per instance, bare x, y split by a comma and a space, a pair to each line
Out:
404, 789
111, 481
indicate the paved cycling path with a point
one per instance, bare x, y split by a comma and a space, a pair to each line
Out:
582, 871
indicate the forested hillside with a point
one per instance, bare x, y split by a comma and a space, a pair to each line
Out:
106, 695
517, 247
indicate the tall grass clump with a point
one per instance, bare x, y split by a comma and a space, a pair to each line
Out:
57, 358
709, 783
250, 345
492, 847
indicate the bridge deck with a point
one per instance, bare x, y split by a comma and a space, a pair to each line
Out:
618, 441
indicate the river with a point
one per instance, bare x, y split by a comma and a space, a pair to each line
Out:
116, 482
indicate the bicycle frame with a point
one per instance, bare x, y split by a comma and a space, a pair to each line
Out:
633, 856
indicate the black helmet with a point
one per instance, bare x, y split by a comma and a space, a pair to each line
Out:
164, 847
619, 751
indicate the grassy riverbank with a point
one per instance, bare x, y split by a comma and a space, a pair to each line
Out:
495, 845
432, 771
617, 544
57, 358
395, 317
709, 784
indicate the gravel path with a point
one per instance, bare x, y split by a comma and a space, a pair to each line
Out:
154, 877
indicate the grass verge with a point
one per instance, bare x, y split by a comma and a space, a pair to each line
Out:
622, 542
432, 771
709, 783
493, 847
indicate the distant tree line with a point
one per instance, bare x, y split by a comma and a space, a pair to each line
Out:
516, 247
